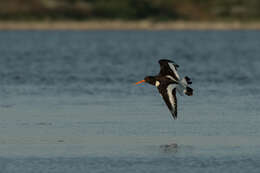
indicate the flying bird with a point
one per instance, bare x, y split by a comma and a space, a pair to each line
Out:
168, 82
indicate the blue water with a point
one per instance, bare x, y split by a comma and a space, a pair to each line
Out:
68, 103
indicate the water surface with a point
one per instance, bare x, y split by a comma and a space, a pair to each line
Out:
68, 103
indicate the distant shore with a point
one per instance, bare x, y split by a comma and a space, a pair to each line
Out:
127, 25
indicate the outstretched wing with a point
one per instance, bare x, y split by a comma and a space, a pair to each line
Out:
169, 97
168, 67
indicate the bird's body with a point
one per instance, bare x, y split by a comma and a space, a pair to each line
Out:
168, 82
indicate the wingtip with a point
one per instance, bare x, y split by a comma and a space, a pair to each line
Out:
165, 60
174, 115
162, 61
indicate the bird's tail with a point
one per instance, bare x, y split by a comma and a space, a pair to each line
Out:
188, 91
185, 82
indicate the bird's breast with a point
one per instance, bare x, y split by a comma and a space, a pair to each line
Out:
157, 83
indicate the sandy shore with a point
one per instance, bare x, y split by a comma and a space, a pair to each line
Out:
127, 25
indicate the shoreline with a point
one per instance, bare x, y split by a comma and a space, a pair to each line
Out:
127, 25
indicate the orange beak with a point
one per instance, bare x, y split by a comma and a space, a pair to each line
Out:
140, 82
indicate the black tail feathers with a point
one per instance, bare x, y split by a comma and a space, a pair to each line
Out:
188, 80
189, 91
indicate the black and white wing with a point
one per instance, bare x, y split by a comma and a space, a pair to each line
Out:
169, 97
168, 67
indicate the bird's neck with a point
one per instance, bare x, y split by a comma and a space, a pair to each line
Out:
151, 80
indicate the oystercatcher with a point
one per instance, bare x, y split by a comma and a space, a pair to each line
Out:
168, 82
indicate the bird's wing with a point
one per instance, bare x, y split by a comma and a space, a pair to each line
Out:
169, 97
168, 68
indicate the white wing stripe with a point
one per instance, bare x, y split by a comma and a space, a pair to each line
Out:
171, 97
170, 77
174, 70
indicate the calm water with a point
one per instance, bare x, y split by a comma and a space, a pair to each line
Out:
68, 103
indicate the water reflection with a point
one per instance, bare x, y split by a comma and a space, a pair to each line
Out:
169, 148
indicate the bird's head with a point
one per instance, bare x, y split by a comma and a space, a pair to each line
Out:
148, 79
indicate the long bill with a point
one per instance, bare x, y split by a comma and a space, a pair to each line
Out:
140, 82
